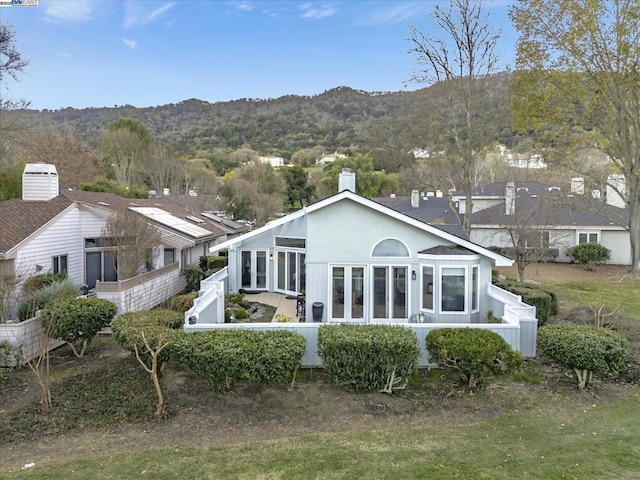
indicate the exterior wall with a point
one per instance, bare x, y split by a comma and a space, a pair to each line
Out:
619, 244
65, 236
28, 335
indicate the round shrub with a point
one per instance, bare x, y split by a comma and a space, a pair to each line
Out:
590, 254
77, 320
182, 303
368, 357
475, 353
545, 300
241, 314
584, 348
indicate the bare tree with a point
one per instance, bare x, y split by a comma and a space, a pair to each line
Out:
462, 55
11, 64
133, 238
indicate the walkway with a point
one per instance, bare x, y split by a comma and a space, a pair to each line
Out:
283, 304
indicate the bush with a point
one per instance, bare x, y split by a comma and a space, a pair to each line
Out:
192, 275
235, 298
223, 357
181, 303
128, 330
476, 354
590, 255
369, 357
241, 314
77, 320
10, 355
584, 348
545, 300
37, 282
42, 297
211, 264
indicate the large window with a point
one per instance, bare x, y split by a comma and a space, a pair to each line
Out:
453, 289
427, 288
169, 256
59, 264
588, 237
347, 293
390, 247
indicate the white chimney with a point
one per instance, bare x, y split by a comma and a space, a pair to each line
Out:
616, 191
577, 185
415, 199
510, 199
165, 191
347, 180
40, 181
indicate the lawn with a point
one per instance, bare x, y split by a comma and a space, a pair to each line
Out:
533, 426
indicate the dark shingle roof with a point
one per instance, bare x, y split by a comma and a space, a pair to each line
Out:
447, 250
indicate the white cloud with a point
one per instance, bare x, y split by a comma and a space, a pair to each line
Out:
138, 14
130, 43
316, 11
395, 13
244, 6
62, 11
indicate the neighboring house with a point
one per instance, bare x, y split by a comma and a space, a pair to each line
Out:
551, 220
49, 230
358, 261
275, 162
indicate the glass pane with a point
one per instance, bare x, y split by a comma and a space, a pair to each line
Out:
337, 293
282, 270
380, 297
292, 272
453, 290
290, 242
399, 292
427, 288
390, 248
357, 292
303, 271
110, 273
474, 288
582, 238
246, 269
169, 256
261, 269
92, 265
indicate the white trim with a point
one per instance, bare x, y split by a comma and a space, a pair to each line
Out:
475, 294
389, 286
466, 296
448, 258
500, 260
366, 291
588, 232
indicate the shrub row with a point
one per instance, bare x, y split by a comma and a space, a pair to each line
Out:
224, 357
545, 300
364, 356
45, 295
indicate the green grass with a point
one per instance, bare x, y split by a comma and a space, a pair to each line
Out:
596, 443
627, 294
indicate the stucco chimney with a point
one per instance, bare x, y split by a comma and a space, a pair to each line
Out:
415, 199
347, 180
510, 199
577, 185
40, 181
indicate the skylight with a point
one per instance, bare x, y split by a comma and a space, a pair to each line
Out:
165, 218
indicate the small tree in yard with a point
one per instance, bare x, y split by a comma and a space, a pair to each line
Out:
77, 320
149, 334
585, 349
590, 255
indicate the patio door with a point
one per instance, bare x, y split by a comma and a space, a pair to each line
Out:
390, 293
347, 293
291, 275
254, 269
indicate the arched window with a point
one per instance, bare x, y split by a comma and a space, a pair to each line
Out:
390, 247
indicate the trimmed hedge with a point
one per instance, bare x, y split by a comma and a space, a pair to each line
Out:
584, 348
128, 328
475, 353
224, 357
545, 300
77, 320
368, 357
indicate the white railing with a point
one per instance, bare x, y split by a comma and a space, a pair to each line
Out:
209, 305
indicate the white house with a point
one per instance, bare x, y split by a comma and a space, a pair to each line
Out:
358, 261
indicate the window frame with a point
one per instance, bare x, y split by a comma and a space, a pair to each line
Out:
588, 234
441, 290
55, 263
423, 292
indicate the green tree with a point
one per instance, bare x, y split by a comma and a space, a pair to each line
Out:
124, 145
461, 56
253, 192
369, 182
11, 181
298, 189
578, 85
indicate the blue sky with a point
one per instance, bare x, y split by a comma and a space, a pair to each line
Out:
95, 53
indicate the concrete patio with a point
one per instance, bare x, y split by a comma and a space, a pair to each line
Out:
283, 304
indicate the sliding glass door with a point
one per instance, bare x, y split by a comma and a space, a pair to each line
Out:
347, 302
390, 293
254, 269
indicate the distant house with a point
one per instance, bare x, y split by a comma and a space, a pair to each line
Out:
275, 162
551, 218
49, 230
330, 158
